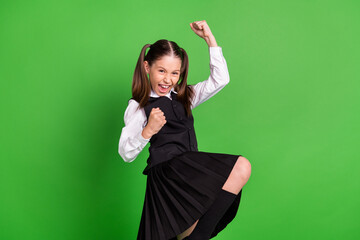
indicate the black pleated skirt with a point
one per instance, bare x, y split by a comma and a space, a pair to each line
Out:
179, 191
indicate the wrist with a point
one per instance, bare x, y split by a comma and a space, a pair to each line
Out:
147, 133
211, 42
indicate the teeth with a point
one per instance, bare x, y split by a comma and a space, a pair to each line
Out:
164, 86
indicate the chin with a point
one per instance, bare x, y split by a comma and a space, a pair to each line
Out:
162, 94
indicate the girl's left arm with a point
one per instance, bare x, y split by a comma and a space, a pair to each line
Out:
218, 79
219, 74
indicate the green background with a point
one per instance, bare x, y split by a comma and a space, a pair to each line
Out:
291, 108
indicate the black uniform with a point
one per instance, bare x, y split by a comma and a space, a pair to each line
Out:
182, 182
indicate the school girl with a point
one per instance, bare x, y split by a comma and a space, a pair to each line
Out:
189, 194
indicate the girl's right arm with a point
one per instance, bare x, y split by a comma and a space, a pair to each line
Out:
131, 141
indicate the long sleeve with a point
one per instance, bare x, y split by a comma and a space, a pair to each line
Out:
218, 79
131, 141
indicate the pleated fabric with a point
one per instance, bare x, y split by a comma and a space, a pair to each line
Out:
179, 191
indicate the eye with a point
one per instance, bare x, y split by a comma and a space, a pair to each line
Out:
161, 70
175, 73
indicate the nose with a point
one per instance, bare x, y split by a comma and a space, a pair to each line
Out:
167, 79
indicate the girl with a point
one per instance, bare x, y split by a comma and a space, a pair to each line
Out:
189, 194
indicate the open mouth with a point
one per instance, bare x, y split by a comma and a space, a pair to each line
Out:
163, 88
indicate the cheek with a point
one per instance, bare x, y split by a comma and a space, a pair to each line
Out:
153, 80
176, 80
154, 77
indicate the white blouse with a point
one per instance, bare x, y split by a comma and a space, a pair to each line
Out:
131, 141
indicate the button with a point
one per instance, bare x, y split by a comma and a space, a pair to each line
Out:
174, 105
189, 128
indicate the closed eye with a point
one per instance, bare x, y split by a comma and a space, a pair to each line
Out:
173, 73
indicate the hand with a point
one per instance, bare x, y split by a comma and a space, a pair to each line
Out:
202, 29
155, 123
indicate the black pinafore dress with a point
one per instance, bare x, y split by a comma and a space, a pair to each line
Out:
182, 182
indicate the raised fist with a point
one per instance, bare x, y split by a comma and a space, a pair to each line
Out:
201, 28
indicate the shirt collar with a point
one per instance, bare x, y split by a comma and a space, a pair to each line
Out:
153, 94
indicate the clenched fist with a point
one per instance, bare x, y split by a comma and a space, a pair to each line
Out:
202, 29
155, 123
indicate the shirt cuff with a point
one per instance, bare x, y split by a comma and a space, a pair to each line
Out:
143, 141
215, 50
216, 55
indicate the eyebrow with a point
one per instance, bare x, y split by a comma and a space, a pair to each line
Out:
165, 68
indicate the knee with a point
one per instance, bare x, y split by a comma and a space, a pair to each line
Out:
243, 168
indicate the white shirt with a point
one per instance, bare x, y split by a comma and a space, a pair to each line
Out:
131, 141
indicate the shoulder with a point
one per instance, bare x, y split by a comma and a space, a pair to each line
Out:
132, 107
133, 102
133, 112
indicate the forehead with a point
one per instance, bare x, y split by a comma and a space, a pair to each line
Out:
168, 62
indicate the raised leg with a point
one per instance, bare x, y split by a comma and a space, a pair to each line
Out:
238, 177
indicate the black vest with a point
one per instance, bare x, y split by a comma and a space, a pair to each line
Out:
175, 137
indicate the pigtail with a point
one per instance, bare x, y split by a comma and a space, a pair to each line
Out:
140, 84
185, 92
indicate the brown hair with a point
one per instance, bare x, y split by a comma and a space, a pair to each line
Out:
141, 84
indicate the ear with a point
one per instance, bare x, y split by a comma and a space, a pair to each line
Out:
146, 66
